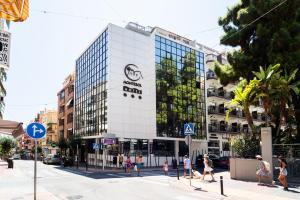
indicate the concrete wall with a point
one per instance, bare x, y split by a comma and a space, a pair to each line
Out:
245, 170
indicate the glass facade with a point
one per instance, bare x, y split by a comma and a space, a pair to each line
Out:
91, 89
180, 89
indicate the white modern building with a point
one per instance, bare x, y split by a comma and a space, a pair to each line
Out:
138, 86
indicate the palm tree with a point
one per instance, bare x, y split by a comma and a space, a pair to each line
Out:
281, 93
244, 97
267, 79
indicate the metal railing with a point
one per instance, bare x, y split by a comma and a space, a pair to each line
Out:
220, 128
234, 113
291, 152
219, 93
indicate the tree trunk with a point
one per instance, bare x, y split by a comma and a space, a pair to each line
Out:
280, 121
250, 121
296, 104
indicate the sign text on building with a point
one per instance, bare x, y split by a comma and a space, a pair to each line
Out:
4, 49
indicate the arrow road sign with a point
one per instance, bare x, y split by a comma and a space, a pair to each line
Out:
189, 129
36, 130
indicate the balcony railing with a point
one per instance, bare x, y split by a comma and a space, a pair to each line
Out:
235, 113
224, 128
210, 58
219, 93
211, 76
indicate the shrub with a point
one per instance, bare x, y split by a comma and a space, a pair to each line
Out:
245, 147
6, 145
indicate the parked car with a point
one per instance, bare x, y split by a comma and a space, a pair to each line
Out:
51, 159
214, 158
16, 156
199, 161
222, 162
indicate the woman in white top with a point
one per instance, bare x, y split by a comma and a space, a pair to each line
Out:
207, 168
283, 172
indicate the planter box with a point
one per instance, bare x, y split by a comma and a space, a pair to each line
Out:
245, 170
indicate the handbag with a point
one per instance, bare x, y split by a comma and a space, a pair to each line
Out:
135, 168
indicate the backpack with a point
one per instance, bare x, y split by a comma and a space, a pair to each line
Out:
210, 163
267, 166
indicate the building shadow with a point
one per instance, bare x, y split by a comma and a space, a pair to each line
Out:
111, 174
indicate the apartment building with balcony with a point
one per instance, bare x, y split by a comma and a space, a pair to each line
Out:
65, 107
49, 119
218, 97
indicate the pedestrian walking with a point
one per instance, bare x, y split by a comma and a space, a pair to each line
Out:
283, 172
263, 169
128, 165
121, 160
208, 164
186, 166
139, 164
166, 168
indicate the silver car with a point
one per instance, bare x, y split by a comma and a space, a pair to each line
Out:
51, 159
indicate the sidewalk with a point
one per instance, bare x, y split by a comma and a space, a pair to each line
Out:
234, 189
8, 180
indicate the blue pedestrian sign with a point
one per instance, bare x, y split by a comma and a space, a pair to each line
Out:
189, 129
96, 146
36, 130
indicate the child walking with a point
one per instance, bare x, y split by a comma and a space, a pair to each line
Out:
166, 168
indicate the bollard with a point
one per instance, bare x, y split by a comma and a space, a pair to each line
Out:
177, 173
221, 184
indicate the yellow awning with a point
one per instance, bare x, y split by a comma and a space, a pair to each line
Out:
14, 10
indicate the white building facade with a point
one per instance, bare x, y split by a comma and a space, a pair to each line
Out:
138, 86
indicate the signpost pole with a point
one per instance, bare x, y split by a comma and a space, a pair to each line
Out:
103, 157
190, 141
35, 130
95, 156
35, 157
77, 155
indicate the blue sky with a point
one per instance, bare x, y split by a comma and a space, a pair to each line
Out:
44, 47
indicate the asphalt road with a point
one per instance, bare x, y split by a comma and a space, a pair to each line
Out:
55, 182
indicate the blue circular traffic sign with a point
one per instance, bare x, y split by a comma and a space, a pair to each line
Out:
36, 130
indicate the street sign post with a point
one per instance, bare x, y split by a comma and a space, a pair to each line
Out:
36, 131
189, 129
96, 147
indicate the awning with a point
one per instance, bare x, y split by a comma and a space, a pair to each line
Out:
14, 10
11, 128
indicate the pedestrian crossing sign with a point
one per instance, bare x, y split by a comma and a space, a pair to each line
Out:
189, 129
96, 146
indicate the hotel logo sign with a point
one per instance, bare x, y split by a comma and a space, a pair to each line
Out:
131, 85
132, 72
